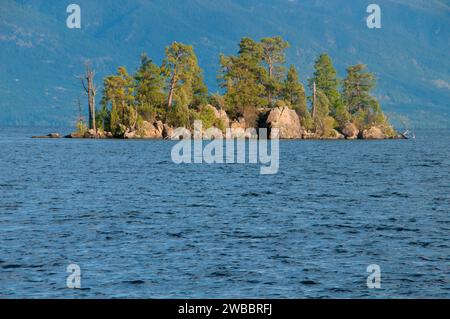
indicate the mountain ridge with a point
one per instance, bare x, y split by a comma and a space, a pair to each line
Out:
41, 56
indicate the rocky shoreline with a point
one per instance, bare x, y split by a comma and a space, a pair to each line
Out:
284, 119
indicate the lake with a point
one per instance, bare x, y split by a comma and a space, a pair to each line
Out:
140, 226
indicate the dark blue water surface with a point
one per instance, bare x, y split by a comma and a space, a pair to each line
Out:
140, 226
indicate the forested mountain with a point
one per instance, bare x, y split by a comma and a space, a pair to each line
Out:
40, 56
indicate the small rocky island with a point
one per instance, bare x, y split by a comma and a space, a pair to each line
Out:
284, 119
158, 102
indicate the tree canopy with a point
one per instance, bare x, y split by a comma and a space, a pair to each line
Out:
253, 80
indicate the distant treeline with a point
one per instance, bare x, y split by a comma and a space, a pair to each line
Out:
255, 78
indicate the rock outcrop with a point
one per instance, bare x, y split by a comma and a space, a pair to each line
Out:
212, 134
239, 130
310, 136
373, 133
286, 121
51, 135
129, 135
350, 131
90, 134
108, 135
334, 135
93, 134
167, 132
74, 135
152, 131
220, 115
279, 119
181, 133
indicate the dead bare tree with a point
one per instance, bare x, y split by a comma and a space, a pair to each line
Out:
87, 80
314, 108
404, 124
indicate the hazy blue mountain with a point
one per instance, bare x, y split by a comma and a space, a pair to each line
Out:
40, 56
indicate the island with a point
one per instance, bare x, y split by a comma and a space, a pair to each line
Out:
258, 91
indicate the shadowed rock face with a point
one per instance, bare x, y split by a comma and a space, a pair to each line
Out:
286, 121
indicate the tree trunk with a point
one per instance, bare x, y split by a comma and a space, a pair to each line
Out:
270, 79
123, 112
94, 122
173, 83
91, 92
314, 108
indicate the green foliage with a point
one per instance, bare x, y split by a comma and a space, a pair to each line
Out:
147, 112
273, 56
402, 81
341, 114
103, 118
321, 119
325, 77
149, 84
357, 87
199, 90
115, 126
242, 77
327, 126
184, 79
217, 101
294, 93
140, 126
179, 116
81, 127
119, 92
253, 79
364, 108
207, 116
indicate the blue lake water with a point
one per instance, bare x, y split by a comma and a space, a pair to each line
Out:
140, 226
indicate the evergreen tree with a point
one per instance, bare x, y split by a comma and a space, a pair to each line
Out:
293, 92
364, 108
183, 75
252, 79
199, 90
250, 49
325, 77
341, 114
273, 55
103, 117
242, 77
149, 88
119, 93
323, 122
322, 106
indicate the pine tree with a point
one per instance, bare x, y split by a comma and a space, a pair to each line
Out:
325, 77
364, 108
149, 87
273, 55
242, 77
103, 118
183, 75
119, 93
323, 122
